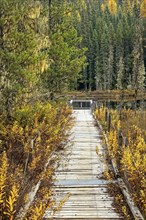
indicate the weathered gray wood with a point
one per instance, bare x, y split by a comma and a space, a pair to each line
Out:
106, 115
120, 143
125, 141
78, 173
134, 209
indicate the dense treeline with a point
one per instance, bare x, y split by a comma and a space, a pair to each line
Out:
114, 33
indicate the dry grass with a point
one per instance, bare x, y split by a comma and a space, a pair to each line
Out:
131, 118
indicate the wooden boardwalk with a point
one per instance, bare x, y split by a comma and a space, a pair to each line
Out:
80, 175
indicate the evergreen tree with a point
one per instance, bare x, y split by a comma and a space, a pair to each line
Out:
21, 56
67, 58
138, 62
120, 73
110, 32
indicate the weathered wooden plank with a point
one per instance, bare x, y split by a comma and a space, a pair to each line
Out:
71, 214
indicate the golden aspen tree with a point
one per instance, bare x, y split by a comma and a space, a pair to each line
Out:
143, 8
112, 6
103, 7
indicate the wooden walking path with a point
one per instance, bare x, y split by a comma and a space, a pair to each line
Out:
80, 175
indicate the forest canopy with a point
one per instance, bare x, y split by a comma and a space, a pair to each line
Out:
114, 32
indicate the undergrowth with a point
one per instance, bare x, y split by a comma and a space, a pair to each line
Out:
27, 142
131, 159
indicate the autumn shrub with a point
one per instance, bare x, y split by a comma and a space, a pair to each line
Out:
132, 157
100, 115
26, 145
134, 165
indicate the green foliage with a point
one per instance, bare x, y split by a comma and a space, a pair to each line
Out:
40, 53
20, 56
67, 58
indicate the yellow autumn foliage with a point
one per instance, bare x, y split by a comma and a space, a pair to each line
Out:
134, 164
112, 6
42, 202
35, 133
38, 212
143, 8
11, 201
103, 7
113, 143
133, 156
100, 113
3, 177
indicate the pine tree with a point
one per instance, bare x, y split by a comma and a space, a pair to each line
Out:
22, 58
67, 58
138, 68
109, 31
138, 76
120, 74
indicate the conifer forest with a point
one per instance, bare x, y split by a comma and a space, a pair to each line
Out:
48, 50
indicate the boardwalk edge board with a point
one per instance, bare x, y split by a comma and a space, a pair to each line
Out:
133, 207
33, 191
